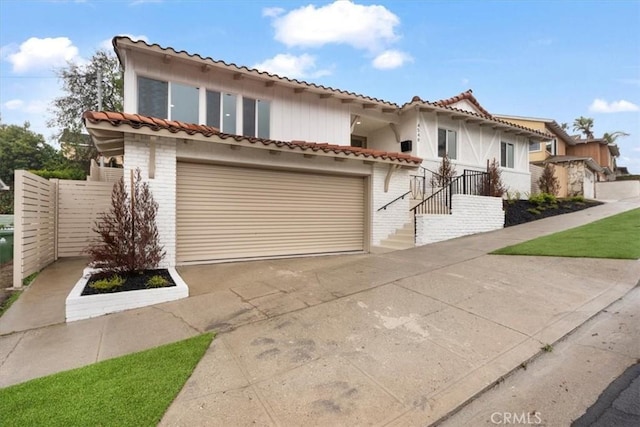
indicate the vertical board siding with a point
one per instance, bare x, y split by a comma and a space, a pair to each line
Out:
79, 205
34, 222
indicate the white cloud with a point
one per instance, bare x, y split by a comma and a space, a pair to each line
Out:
31, 107
601, 106
46, 53
272, 12
342, 22
292, 66
390, 59
107, 44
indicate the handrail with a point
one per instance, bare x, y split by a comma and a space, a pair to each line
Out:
443, 195
394, 200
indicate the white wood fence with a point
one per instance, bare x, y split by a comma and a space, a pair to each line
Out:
53, 218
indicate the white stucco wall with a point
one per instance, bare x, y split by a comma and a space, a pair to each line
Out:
293, 116
469, 215
396, 215
163, 185
617, 190
475, 145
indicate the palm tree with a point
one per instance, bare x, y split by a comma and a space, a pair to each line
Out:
564, 125
611, 137
584, 125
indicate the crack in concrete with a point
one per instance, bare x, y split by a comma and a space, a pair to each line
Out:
179, 318
13, 348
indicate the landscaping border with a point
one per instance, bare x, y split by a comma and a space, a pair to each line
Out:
78, 307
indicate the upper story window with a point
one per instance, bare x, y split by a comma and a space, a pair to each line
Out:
447, 143
174, 101
183, 103
255, 117
177, 101
534, 145
552, 147
506, 154
153, 98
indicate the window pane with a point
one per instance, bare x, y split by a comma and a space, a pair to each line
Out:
264, 119
229, 113
510, 155
534, 146
248, 117
184, 103
442, 142
213, 109
503, 154
153, 98
452, 144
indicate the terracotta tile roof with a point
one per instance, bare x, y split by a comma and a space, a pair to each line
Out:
244, 69
137, 121
416, 100
468, 95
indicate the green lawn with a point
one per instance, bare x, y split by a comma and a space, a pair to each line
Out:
617, 236
133, 390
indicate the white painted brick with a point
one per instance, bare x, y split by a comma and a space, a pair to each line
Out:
469, 215
163, 187
396, 215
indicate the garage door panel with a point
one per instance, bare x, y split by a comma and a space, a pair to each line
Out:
226, 212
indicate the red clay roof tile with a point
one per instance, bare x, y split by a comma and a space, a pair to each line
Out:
138, 121
468, 95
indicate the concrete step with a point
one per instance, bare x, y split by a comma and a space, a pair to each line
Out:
403, 238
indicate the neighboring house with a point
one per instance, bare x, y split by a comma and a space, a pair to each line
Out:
621, 171
217, 137
576, 172
599, 150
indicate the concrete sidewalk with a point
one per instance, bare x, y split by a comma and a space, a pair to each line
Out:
401, 338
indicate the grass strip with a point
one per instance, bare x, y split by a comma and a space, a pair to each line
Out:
615, 237
7, 303
132, 390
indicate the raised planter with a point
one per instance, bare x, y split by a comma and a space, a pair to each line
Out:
80, 307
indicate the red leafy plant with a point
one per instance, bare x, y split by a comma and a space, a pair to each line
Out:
127, 234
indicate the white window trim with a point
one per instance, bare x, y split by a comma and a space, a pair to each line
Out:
513, 145
446, 148
539, 147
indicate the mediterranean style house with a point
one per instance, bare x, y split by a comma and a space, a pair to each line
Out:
246, 164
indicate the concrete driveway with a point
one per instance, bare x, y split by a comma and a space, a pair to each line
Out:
402, 338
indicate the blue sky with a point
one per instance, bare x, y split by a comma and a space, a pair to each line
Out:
551, 59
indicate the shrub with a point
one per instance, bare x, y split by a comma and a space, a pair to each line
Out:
108, 283
493, 185
578, 199
77, 174
128, 236
446, 173
543, 198
533, 211
157, 281
548, 182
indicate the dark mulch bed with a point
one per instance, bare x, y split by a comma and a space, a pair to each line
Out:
133, 281
518, 211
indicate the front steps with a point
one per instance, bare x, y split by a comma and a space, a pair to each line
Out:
403, 238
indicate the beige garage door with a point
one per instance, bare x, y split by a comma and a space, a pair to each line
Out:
226, 212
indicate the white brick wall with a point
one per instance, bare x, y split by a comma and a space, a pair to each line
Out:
469, 215
163, 185
387, 221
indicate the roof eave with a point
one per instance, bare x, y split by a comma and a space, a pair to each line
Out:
120, 43
475, 118
109, 139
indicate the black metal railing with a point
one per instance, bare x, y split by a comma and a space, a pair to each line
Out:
394, 200
471, 182
425, 184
